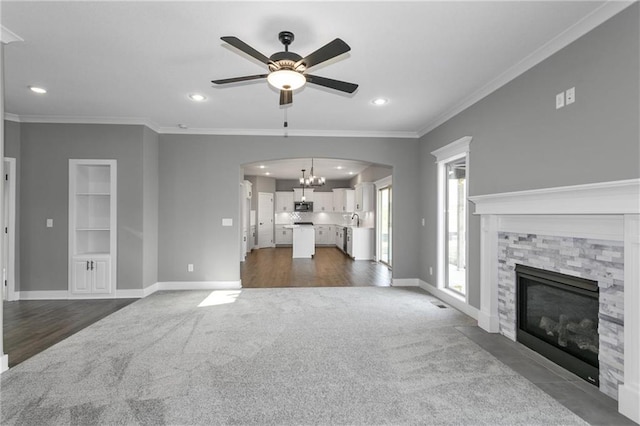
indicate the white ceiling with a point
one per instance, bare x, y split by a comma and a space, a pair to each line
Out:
136, 62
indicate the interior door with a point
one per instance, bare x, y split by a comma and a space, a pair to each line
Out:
265, 220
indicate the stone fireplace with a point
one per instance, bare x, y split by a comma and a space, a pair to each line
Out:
590, 232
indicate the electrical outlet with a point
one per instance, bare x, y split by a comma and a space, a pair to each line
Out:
430, 270
190, 267
49, 223
423, 221
571, 95
559, 100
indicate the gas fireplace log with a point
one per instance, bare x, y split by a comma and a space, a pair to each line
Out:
585, 343
586, 327
548, 325
562, 330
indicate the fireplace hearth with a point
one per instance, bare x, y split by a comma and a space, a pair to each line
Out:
557, 316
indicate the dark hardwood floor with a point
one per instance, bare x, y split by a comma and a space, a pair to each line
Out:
274, 267
31, 326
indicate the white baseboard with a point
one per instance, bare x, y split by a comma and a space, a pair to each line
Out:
198, 285
134, 293
488, 323
405, 282
628, 402
460, 305
44, 295
4, 363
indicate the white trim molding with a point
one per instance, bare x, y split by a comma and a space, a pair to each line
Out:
405, 282
617, 197
629, 391
199, 285
4, 363
7, 36
452, 299
44, 295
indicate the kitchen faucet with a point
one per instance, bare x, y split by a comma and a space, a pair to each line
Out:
358, 221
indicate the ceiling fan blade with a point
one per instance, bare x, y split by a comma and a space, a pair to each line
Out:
238, 79
343, 86
326, 52
286, 97
244, 47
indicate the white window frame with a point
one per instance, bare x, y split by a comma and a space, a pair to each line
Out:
453, 151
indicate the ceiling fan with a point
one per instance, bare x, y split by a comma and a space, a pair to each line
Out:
287, 70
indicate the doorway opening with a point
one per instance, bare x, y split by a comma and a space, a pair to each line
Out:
340, 203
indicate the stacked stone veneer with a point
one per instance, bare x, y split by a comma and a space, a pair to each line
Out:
597, 260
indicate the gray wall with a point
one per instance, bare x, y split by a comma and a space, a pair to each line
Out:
12, 149
371, 174
199, 178
520, 141
45, 153
289, 184
150, 191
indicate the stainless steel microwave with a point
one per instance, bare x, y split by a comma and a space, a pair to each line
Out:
303, 206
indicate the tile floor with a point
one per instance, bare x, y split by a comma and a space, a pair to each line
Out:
584, 399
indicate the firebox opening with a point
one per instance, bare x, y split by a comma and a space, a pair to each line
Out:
558, 318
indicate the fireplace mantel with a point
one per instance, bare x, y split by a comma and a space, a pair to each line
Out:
608, 210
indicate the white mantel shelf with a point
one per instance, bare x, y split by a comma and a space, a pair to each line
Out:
617, 197
607, 210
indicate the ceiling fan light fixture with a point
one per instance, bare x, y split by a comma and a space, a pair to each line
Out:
380, 101
38, 90
197, 97
280, 79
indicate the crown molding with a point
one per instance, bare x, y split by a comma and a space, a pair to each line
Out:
52, 119
7, 36
290, 132
568, 36
222, 132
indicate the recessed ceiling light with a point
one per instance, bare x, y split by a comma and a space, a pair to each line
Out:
339, 167
262, 166
379, 101
267, 173
350, 173
197, 97
38, 90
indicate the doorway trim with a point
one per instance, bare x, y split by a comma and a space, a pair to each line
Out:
9, 270
380, 184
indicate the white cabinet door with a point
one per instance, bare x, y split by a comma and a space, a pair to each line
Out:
297, 194
288, 236
81, 280
323, 201
350, 242
349, 200
343, 200
364, 193
284, 201
101, 276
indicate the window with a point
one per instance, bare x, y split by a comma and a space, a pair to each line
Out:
453, 174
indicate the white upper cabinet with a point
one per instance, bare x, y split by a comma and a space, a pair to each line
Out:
364, 194
343, 200
323, 202
308, 194
284, 201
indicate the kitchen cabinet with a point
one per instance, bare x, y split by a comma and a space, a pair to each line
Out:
323, 235
284, 201
360, 243
340, 237
323, 202
92, 228
308, 194
284, 236
364, 196
343, 200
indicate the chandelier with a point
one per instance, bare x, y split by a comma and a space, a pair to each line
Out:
312, 180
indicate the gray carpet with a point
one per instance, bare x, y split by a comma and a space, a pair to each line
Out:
275, 356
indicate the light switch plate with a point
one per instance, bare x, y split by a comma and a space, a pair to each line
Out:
571, 95
49, 223
227, 221
559, 100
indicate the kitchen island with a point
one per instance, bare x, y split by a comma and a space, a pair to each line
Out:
304, 240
